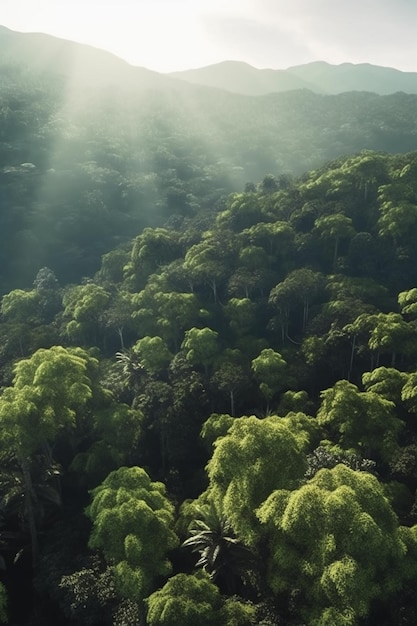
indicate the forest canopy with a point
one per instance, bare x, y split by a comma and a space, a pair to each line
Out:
85, 166
208, 357
223, 415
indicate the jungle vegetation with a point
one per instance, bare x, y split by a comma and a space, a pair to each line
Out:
208, 379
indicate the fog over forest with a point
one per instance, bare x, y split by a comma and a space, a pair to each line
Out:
208, 342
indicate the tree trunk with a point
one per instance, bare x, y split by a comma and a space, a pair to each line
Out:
119, 331
305, 314
352, 356
336, 250
29, 499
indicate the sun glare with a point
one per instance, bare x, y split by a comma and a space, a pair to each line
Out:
170, 35
160, 35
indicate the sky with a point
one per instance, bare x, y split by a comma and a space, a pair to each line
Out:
172, 35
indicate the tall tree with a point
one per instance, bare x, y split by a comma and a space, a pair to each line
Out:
336, 542
202, 346
253, 459
133, 526
48, 390
334, 228
84, 308
269, 370
363, 422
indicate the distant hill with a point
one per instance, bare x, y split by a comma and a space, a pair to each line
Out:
335, 79
319, 77
291, 131
239, 77
86, 65
80, 63
92, 149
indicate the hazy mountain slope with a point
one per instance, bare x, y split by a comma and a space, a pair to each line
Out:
319, 76
239, 77
86, 65
79, 63
351, 77
87, 163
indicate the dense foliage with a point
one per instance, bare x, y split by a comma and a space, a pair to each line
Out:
208, 389
84, 166
241, 381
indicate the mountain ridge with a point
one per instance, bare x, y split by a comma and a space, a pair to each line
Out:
241, 77
318, 76
81, 63
87, 64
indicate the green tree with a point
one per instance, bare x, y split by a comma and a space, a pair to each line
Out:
283, 299
202, 346
153, 248
408, 303
209, 262
337, 541
176, 312
307, 284
269, 370
253, 258
242, 210
241, 313
21, 305
27, 320
409, 392
132, 525
84, 307
299, 290
118, 316
268, 185
363, 422
253, 459
324, 457
276, 238
45, 280
214, 427
243, 283
153, 354
187, 600
48, 391
359, 332
387, 382
165, 313
393, 335
231, 377
398, 220
369, 171
335, 228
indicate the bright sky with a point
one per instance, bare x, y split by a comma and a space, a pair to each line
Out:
169, 35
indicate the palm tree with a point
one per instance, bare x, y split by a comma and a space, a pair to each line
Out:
229, 563
131, 369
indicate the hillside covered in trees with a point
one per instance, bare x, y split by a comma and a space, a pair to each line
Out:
93, 150
219, 425
208, 372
